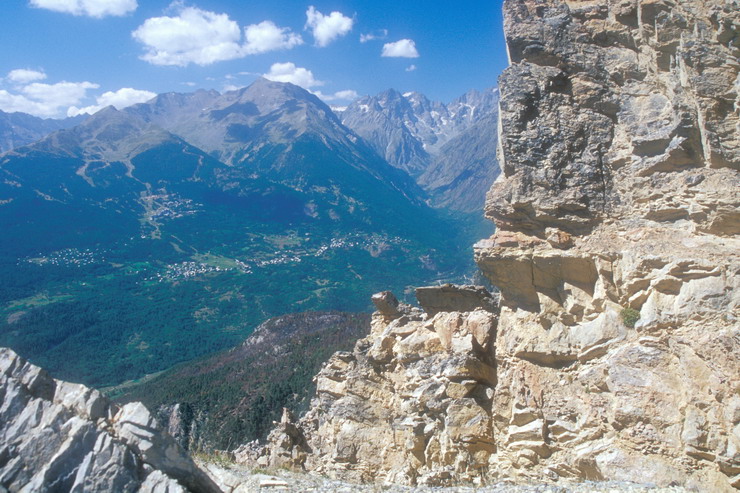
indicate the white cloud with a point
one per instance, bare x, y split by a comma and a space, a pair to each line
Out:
404, 48
327, 28
346, 95
24, 76
411, 68
231, 87
202, 37
266, 36
288, 72
119, 99
189, 84
380, 34
92, 8
45, 100
194, 36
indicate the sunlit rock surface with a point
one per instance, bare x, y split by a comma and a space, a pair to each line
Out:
59, 436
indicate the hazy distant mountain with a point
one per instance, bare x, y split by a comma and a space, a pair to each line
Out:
19, 129
155, 234
465, 167
277, 130
430, 141
391, 125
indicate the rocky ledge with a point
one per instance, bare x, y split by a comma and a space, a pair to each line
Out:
59, 436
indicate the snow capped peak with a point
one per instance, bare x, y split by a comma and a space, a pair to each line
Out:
409, 130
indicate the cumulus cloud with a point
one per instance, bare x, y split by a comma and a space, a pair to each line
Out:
92, 8
380, 34
45, 100
404, 48
266, 36
411, 68
24, 76
288, 72
119, 99
194, 36
202, 37
327, 28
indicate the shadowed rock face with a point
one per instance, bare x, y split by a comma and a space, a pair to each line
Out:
608, 102
619, 197
59, 436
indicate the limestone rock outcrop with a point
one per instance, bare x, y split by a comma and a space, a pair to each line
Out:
411, 404
619, 199
614, 352
59, 436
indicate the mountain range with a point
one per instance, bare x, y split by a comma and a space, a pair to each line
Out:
152, 235
449, 148
19, 129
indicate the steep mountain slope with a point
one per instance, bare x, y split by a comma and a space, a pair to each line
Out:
464, 169
389, 123
613, 351
279, 131
19, 129
233, 397
78, 186
442, 146
149, 251
233, 125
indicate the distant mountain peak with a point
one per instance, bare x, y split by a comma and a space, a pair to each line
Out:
109, 135
446, 147
19, 129
409, 129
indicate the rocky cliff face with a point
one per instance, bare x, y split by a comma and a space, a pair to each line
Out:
59, 436
614, 351
620, 154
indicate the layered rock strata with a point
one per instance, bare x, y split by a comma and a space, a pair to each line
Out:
411, 404
614, 353
59, 436
620, 198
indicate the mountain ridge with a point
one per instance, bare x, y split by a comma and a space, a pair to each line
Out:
418, 136
18, 129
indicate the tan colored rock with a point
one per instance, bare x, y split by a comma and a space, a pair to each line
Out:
612, 132
410, 402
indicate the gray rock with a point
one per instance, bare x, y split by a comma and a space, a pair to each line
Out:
58, 436
449, 148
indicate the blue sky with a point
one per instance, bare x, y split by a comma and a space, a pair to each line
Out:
61, 57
